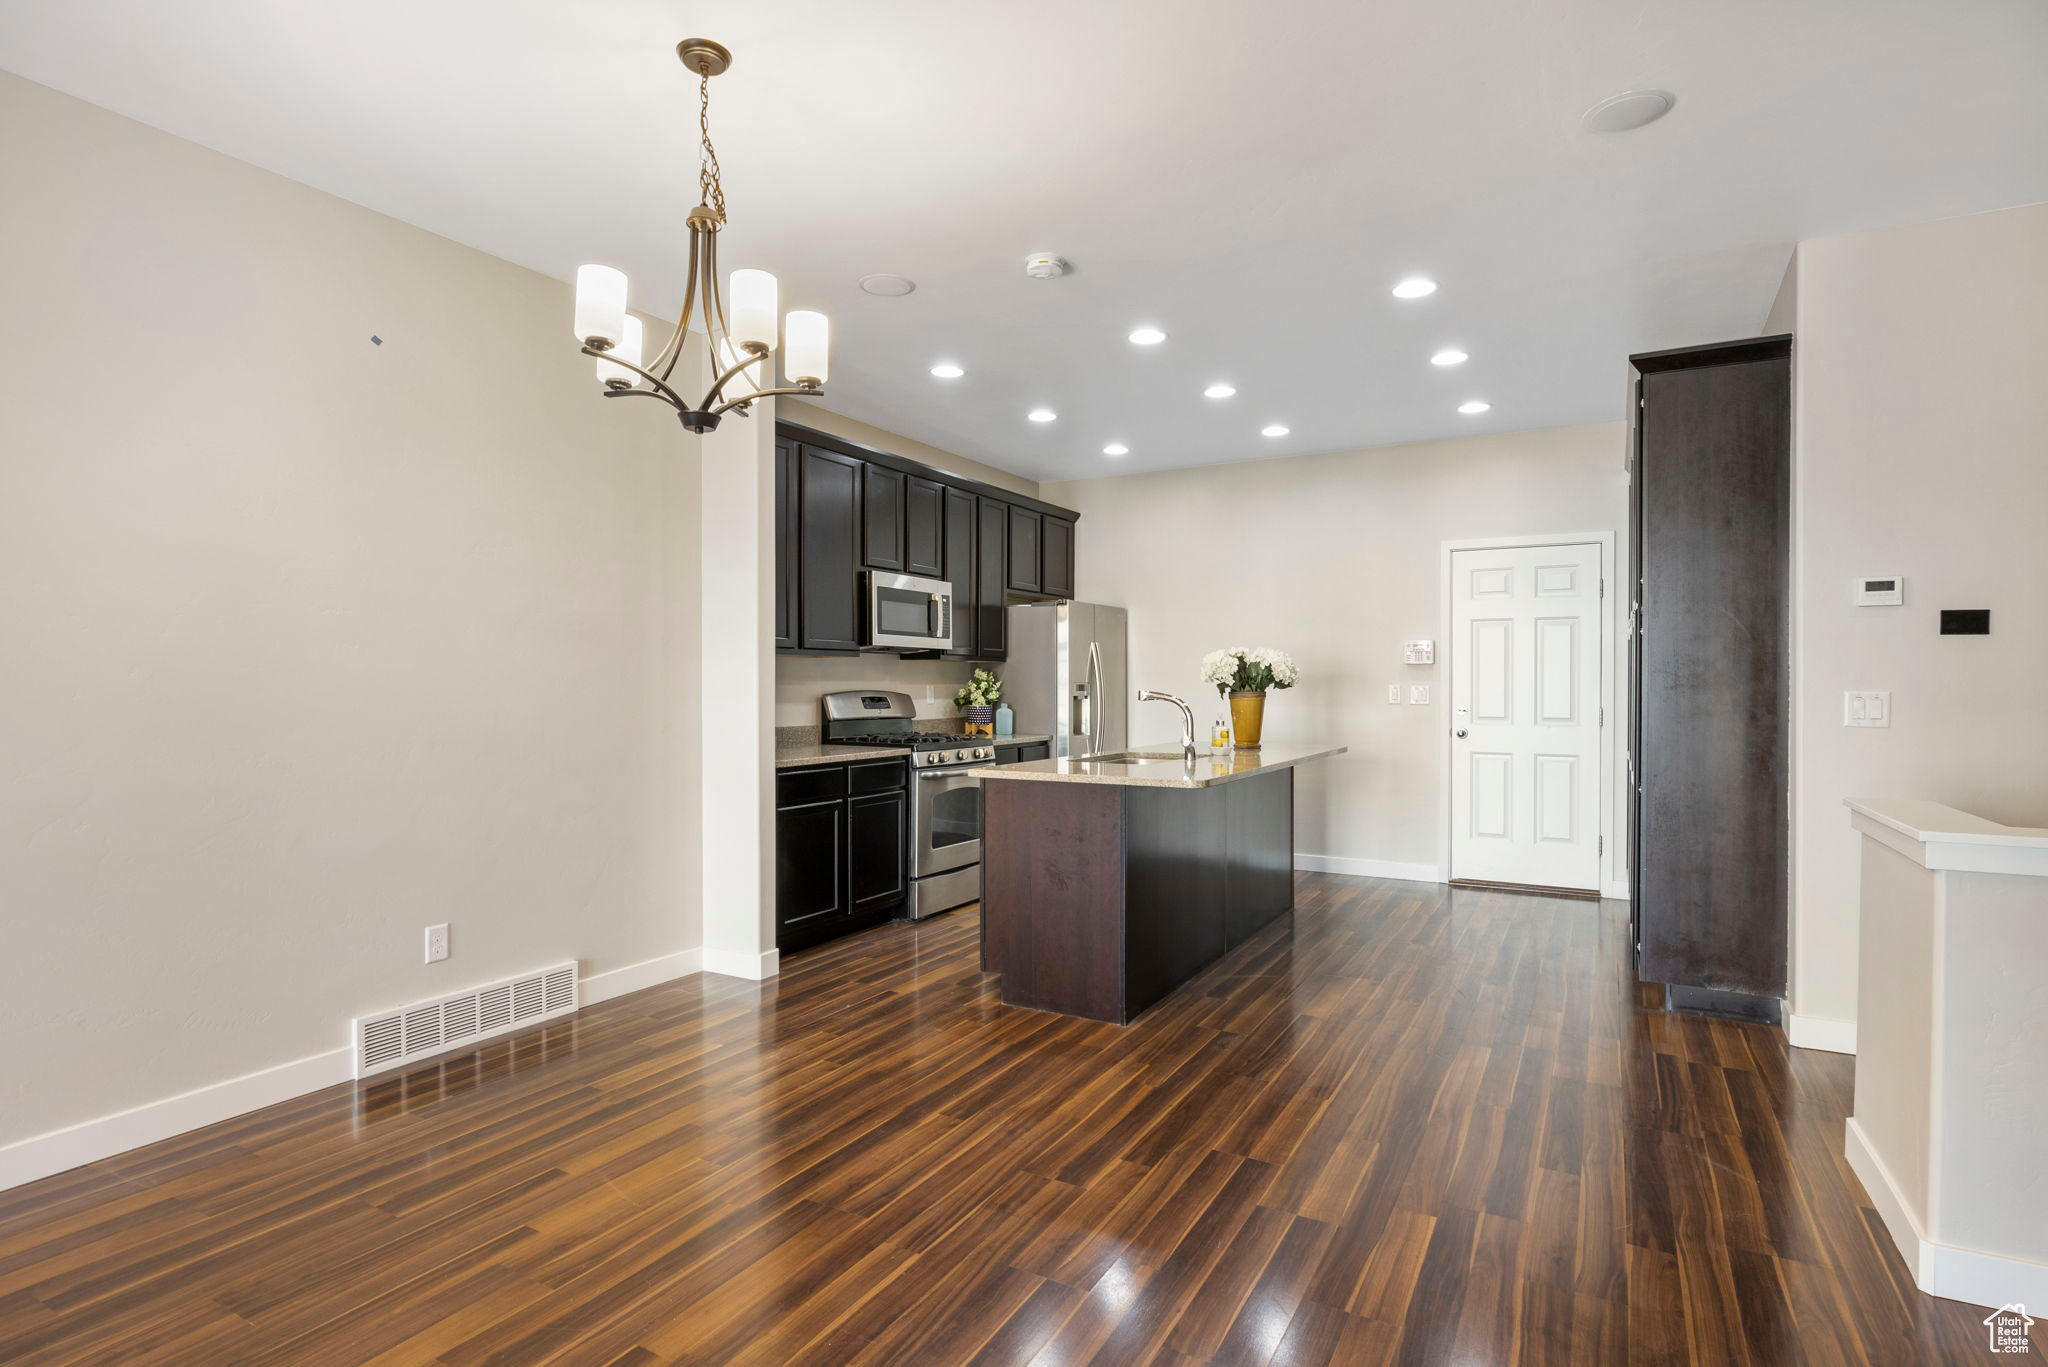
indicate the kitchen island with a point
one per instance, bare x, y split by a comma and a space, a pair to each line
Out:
1107, 883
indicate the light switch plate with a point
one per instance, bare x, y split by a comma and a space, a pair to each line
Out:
1866, 709
1418, 694
1394, 694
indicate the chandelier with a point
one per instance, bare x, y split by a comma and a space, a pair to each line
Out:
739, 342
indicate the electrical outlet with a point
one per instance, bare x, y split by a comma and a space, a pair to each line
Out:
437, 943
1394, 694
1418, 694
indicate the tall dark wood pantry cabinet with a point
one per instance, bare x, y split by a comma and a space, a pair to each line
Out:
1710, 499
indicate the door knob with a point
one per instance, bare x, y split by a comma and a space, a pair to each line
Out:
1461, 735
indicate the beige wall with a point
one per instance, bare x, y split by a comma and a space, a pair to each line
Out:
310, 642
1921, 450
1336, 560
810, 415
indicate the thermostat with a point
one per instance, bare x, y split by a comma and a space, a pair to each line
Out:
1420, 653
1880, 591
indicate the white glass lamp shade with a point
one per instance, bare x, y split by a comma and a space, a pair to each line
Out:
627, 348
755, 302
745, 384
600, 303
807, 343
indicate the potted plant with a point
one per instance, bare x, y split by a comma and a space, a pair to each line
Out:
1245, 676
977, 700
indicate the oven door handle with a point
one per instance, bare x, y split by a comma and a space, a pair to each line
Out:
923, 774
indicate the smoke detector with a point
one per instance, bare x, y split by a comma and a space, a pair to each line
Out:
886, 285
1045, 266
1627, 111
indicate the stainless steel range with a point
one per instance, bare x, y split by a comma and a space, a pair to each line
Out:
945, 792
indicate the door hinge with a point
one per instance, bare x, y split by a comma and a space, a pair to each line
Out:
1603, 716
1603, 846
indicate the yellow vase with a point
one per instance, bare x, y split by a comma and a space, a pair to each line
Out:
1247, 717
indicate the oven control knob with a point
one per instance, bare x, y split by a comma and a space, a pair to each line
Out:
959, 755
984, 753
929, 757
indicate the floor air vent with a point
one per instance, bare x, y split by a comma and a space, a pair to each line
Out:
391, 1038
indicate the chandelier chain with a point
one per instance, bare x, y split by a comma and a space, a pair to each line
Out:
708, 186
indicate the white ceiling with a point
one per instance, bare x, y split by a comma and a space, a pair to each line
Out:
1250, 177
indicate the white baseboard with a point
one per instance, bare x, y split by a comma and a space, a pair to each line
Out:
1369, 868
88, 1141
91, 1140
739, 963
617, 982
1615, 889
1821, 1032
1957, 1274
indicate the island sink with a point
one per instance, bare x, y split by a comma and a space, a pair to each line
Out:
1111, 879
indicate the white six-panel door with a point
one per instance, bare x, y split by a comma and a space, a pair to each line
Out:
1525, 715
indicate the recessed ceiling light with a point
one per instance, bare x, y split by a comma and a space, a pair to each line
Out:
1450, 355
1148, 337
1116, 448
1272, 429
1630, 109
1474, 406
888, 286
1414, 287
1041, 415
1219, 391
946, 370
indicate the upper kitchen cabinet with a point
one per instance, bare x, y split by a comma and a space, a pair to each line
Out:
881, 519
958, 569
828, 550
786, 541
1025, 529
923, 527
991, 576
1056, 558
842, 509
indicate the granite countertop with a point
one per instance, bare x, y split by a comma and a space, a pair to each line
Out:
1167, 770
797, 756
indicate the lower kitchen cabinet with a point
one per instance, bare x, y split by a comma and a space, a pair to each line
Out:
877, 851
1023, 754
842, 849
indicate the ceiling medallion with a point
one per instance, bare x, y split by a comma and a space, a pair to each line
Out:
740, 341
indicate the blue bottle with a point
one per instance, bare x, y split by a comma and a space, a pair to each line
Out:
1006, 720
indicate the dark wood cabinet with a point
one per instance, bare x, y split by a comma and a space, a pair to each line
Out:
828, 576
842, 509
881, 517
1023, 754
1710, 496
810, 869
878, 857
924, 527
1056, 558
959, 570
991, 578
1024, 549
786, 541
842, 854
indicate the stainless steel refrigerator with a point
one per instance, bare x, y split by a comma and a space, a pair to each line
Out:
1069, 676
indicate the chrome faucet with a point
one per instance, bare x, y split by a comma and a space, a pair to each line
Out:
1187, 721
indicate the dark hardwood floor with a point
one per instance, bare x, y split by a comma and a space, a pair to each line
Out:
1417, 1125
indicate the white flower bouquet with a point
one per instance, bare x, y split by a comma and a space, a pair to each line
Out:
1237, 670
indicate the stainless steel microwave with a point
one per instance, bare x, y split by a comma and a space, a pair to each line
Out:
904, 612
